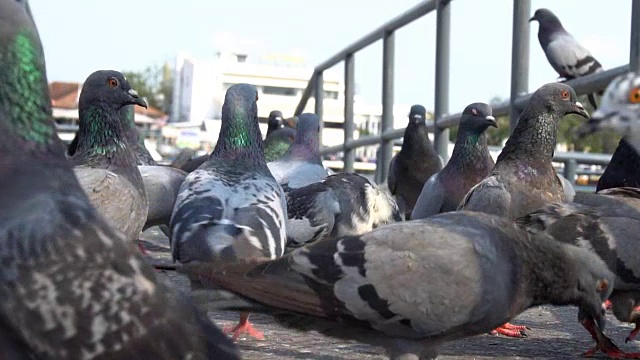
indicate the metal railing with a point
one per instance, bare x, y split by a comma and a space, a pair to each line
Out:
443, 121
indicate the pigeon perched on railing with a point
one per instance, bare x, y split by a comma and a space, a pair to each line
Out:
470, 163
565, 54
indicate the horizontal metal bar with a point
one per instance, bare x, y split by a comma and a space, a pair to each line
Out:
407, 17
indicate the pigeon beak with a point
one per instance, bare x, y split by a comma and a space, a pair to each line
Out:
533, 18
577, 108
136, 99
491, 121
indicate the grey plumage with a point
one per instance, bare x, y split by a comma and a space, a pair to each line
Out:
523, 178
72, 287
620, 111
341, 204
105, 165
415, 163
608, 224
231, 206
470, 163
161, 184
566, 55
413, 286
301, 165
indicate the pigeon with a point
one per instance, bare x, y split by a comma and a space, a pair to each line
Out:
341, 204
620, 111
277, 144
414, 164
523, 178
161, 184
301, 165
606, 223
274, 122
567, 57
72, 287
231, 207
470, 163
104, 163
136, 142
414, 285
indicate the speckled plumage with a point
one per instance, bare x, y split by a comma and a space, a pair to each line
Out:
105, 165
301, 165
412, 286
523, 178
470, 163
72, 288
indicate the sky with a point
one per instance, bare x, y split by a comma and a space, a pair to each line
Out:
80, 37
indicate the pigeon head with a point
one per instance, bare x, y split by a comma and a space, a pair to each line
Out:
557, 99
25, 105
619, 109
306, 143
240, 130
477, 117
546, 19
291, 122
274, 121
417, 114
109, 88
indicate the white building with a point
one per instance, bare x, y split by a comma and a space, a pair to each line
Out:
200, 86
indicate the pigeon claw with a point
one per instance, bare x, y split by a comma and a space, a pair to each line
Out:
244, 326
510, 330
604, 343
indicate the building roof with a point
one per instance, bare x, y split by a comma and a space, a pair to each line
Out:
65, 95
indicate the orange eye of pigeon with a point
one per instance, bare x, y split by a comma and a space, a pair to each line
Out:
634, 95
564, 94
113, 82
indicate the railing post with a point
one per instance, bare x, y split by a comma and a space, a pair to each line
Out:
519, 57
349, 90
388, 67
441, 108
570, 168
318, 86
634, 53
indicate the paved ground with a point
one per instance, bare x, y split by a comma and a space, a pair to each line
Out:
555, 332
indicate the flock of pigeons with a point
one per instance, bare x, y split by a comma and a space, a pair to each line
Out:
267, 221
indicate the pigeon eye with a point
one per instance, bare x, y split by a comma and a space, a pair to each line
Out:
474, 111
564, 94
602, 285
634, 96
113, 82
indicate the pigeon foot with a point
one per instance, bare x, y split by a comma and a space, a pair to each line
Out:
244, 326
510, 330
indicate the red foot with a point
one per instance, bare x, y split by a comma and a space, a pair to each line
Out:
633, 333
607, 304
244, 326
510, 330
604, 343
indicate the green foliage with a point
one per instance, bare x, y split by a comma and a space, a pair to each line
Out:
154, 83
602, 142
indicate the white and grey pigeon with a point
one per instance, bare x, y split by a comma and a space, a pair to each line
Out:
413, 286
231, 207
470, 163
72, 286
301, 165
414, 164
620, 111
341, 204
565, 54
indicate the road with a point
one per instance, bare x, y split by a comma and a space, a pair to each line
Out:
555, 332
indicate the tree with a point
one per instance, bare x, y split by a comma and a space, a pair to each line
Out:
154, 84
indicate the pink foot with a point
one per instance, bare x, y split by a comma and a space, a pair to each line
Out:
510, 330
244, 326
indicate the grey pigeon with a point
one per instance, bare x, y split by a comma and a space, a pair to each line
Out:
470, 163
278, 143
301, 165
341, 204
135, 141
105, 165
565, 54
161, 184
274, 122
523, 178
620, 111
413, 286
414, 164
72, 287
231, 207
608, 224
